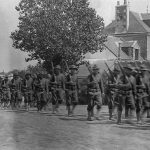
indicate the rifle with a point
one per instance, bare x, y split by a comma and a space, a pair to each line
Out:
53, 74
123, 72
90, 71
68, 73
106, 74
111, 73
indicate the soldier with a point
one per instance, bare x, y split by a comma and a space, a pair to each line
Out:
95, 92
111, 94
41, 89
57, 88
47, 79
27, 89
6, 91
15, 85
124, 92
72, 88
146, 90
130, 97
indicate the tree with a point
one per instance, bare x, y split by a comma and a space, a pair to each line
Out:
65, 28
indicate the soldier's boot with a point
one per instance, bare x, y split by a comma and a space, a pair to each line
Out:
73, 108
89, 118
126, 113
148, 113
138, 115
110, 114
119, 117
69, 111
98, 114
92, 112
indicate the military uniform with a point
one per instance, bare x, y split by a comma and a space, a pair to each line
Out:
95, 91
71, 86
130, 98
15, 86
57, 85
6, 91
27, 89
6, 87
146, 91
41, 89
124, 93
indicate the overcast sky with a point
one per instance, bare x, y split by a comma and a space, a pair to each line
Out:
14, 59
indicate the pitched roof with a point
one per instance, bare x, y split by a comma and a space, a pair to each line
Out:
128, 44
136, 24
112, 44
145, 16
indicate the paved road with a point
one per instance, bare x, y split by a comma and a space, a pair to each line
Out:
44, 131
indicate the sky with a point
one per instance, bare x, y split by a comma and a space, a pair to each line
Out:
11, 58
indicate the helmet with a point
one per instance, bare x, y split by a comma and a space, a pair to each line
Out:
15, 74
144, 68
58, 67
27, 73
73, 67
6, 76
95, 67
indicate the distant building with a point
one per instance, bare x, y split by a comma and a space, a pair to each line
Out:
134, 30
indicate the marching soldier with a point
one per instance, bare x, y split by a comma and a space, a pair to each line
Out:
57, 88
41, 89
27, 89
72, 88
15, 86
111, 92
95, 92
48, 95
124, 93
130, 98
6, 90
146, 90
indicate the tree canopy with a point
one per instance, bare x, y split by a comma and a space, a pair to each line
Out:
52, 30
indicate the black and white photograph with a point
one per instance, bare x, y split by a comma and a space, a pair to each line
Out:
75, 75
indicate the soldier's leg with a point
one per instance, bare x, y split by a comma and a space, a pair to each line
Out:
131, 105
121, 100
54, 101
148, 110
110, 106
98, 100
144, 107
138, 109
38, 101
90, 107
127, 108
148, 113
74, 101
68, 103
44, 100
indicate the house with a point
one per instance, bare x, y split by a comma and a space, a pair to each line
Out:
134, 29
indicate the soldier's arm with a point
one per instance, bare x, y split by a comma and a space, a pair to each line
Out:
20, 84
47, 84
63, 82
101, 85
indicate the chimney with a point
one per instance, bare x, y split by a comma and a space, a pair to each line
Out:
118, 3
125, 2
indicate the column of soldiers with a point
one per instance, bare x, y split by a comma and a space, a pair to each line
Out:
126, 88
129, 90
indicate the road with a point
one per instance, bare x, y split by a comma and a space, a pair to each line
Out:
20, 130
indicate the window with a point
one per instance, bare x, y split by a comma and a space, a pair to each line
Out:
136, 54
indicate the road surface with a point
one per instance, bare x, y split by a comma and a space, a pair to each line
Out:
21, 130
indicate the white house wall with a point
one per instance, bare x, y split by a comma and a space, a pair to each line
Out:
148, 47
